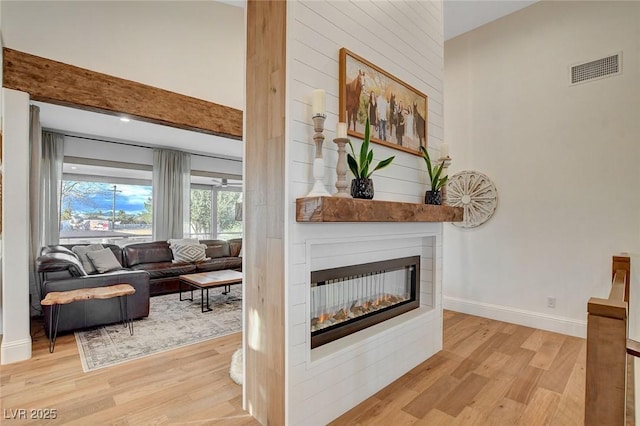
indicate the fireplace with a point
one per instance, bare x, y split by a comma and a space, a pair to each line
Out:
348, 299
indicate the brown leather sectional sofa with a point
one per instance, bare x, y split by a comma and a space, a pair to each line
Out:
148, 267
156, 258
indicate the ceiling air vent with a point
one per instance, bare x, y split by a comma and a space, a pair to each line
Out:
595, 70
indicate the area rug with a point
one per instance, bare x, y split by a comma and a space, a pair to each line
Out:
171, 324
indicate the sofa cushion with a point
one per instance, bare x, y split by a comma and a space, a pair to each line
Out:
165, 269
55, 262
55, 249
104, 260
143, 253
235, 247
219, 263
186, 253
81, 252
216, 248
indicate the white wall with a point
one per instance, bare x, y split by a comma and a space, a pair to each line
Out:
564, 160
191, 47
405, 39
16, 337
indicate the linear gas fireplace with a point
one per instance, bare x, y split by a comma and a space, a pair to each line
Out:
351, 298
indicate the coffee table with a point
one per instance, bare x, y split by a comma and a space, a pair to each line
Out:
206, 280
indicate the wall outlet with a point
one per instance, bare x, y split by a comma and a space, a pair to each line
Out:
551, 302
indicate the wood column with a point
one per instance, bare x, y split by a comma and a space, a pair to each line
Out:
265, 211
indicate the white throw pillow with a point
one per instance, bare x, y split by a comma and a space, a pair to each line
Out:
183, 253
183, 241
104, 260
81, 252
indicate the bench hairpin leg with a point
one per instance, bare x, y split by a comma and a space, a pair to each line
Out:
124, 313
54, 318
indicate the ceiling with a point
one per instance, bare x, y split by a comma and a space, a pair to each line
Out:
72, 121
460, 16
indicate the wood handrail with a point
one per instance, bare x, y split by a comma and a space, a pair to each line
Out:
633, 348
607, 348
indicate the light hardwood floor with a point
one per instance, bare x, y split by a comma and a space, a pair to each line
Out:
190, 385
489, 373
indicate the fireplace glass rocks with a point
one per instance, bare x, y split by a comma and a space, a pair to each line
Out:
348, 299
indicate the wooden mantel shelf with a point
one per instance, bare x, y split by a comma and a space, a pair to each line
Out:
334, 209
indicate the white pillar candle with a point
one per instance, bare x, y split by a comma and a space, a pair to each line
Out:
318, 105
444, 150
341, 130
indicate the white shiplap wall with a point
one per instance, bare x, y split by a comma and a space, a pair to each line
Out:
404, 39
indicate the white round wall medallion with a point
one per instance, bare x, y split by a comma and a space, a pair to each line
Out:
474, 192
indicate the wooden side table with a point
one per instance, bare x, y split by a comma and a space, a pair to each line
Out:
56, 299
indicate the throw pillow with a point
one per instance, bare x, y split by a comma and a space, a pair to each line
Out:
81, 252
104, 260
183, 241
183, 253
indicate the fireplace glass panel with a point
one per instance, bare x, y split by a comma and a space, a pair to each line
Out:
347, 299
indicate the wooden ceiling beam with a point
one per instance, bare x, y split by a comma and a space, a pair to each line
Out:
63, 84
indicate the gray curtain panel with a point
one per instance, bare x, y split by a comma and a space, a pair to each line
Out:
45, 179
35, 224
171, 193
51, 183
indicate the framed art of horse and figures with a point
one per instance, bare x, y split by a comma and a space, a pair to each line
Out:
397, 112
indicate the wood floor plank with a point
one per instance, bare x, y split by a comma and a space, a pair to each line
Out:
428, 399
435, 418
506, 412
525, 384
462, 395
556, 378
542, 408
479, 355
547, 352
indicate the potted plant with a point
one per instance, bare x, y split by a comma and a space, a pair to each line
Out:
434, 195
362, 185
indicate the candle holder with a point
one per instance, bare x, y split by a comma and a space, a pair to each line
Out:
318, 189
447, 163
341, 169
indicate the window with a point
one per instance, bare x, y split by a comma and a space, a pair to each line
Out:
215, 204
101, 204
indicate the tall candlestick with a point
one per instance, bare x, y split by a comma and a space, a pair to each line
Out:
341, 165
318, 189
319, 102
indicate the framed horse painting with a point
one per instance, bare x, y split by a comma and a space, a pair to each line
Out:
397, 112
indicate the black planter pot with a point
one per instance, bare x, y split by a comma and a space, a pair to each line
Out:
433, 197
362, 188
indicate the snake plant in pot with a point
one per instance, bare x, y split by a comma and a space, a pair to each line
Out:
433, 196
361, 167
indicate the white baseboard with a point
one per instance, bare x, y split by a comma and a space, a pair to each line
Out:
517, 316
18, 350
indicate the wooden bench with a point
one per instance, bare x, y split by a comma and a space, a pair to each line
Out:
56, 299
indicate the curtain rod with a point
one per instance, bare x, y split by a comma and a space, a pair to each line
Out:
136, 145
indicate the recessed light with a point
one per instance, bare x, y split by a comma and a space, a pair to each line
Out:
124, 119
73, 167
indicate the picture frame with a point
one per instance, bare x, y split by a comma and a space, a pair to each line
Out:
367, 90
